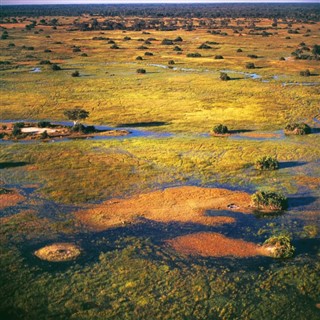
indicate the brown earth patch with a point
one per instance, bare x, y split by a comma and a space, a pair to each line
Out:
182, 204
209, 244
10, 199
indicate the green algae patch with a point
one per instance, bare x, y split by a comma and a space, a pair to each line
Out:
58, 252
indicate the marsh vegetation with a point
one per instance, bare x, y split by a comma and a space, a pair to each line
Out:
154, 217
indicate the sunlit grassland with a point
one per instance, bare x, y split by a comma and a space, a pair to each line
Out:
85, 170
111, 90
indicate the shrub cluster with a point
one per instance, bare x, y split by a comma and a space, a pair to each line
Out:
297, 129
44, 124
224, 76
279, 246
220, 129
141, 71
193, 55
250, 65
267, 163
269, 200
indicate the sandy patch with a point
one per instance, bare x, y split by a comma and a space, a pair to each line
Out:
10, 199
37, 130
209, 244
183, 204
58, 252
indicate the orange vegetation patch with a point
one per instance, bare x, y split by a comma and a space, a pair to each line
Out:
209, 244
10, 199
311, 182
183, 204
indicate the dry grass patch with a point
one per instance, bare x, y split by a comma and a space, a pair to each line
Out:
209, 244
183, 204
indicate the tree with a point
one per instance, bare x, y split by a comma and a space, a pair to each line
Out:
76, 114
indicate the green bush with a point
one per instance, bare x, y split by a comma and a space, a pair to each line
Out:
5, 191
279, 246
19, 125
250, 65
297, 129
267, 163
75, 74
43, 124
218, 57
139, 58
269, 200
55, 67
305, 73
194, 55
224, 76
141, 71
220, 129
44, 135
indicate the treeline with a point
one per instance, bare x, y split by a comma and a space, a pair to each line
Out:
299, 11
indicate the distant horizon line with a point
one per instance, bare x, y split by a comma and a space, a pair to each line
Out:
81, 2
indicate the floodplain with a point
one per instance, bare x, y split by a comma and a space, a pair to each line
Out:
158, 222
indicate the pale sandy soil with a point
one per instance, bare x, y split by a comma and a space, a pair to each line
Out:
182, 204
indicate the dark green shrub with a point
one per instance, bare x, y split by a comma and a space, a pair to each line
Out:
305, 73
177, 48
19, 125
239, 50
114, 46
252, 56
44, 135
282, 59
139, 58
269, 200
76, 50
11, 45
45, 62
171, 62
44, 124
126, 38
224, 76
5, 191
55, 67
167, 42
178, 39
141, 71
83, 54
194, 55
267, 163
47, 51
78, 127
148, 54
16, 131
279, 246
76, 114
218, 56
204, 46
250, 65
75, 74
297, 129
220, 129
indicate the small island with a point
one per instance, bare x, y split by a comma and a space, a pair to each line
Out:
46, 131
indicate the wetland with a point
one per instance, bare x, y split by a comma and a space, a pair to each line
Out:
136, 209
